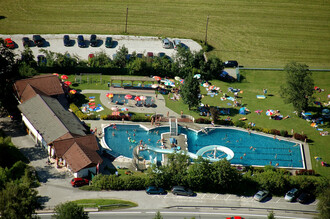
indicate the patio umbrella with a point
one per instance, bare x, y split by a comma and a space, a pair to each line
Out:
169, 83
206, 84
73, 91
64, 77
137, 98
177, 78
198, 76
56, 74
124, 109
143, 97
114, 108
182, 81
157, 78
269, 112
67, 83
155, 85
128, 96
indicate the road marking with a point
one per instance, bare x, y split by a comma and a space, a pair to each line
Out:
203, 196
215, 196
278, 200
227, 197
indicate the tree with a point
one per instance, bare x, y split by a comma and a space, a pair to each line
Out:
299, 86
323, 206
271, 215
17, 200
121, 57
190, 91
158, 216
69, 210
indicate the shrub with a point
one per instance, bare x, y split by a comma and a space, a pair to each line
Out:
202, 121
299, 137
284, 133
140, 118
115, 117
305, 172
224, 122
275, 132
239, 123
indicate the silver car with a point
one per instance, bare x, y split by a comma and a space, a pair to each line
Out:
259, 196
166, 43
291, 195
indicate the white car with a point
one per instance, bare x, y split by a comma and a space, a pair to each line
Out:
166, 43
176, 44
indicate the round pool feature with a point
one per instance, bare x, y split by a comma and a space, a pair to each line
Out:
215, 152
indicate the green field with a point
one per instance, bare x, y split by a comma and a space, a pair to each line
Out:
257, 33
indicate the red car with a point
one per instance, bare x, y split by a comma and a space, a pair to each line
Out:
76, 182
235, 217
9, 43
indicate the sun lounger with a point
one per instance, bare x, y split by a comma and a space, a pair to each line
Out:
261, 97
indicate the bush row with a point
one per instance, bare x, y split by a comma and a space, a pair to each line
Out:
80, 114
113, 182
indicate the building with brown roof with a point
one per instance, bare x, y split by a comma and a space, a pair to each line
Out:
54, 127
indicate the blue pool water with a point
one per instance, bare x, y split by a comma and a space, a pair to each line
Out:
249, 149
121, 99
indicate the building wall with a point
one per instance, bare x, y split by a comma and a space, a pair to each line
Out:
34, 133
84, 172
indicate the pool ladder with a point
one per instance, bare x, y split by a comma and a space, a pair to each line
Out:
173, 127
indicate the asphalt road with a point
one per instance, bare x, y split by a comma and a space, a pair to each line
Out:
185, 214
139, 44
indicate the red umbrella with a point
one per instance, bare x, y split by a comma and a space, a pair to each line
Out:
67, 83
137, 98
128, 96
64, 77
157, 78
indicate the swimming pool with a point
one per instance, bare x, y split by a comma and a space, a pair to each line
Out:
121, 99
249, 149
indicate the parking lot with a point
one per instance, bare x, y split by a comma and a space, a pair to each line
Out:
139, 44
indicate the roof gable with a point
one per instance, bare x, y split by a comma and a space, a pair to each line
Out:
48, 84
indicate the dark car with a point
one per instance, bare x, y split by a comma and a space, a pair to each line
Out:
93, 40
38, 40
75, 182
181, 190
26, 41
231, 64
81, 41
155, 190
41, 60
139, 55
66, 40
161, 54
108, 42
304, 197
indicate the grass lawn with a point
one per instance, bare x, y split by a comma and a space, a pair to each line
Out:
256, 33
101, 204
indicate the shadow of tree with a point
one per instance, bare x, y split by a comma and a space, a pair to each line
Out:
34, 153
2, 17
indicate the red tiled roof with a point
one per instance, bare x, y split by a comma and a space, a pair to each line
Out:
46, 84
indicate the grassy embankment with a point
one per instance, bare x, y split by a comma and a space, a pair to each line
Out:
256, 33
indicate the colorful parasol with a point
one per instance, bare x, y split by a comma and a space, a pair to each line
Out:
67, 83
124, 109
137, 98
73, 91
143, 97
64, 77
56, 74
128, 96
157, 78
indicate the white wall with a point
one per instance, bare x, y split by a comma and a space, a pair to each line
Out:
84, 172
38, 137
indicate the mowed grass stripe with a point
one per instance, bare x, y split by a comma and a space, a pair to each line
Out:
256, 33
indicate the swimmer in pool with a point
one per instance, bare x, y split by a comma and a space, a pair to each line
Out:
251, 148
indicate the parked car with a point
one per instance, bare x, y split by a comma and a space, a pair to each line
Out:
304, 197
66, 40
90, 56
161, 54
231, 64
155, 190
81, 41
93, 40
108, 42
76, 182
150, 54
291, 195
176, 44
259, 196
181, 190
38, 40
26, 41
235, 217
9, 43
166, 43
139, 55
41, 60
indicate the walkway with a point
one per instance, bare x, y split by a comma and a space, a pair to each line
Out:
161, 109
